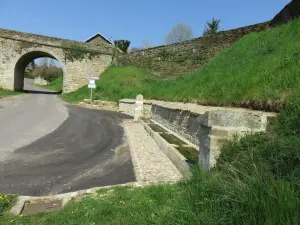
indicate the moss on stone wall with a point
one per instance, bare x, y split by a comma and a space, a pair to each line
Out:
78, 52
39, 40
24, 44
186, 57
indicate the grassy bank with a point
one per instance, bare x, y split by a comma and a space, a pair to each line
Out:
55, 85
6, 93
115, 83
259, 71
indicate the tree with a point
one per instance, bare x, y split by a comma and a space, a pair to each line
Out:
212, 27
122, 44
181, 32
48, 62
45, 62
31, 65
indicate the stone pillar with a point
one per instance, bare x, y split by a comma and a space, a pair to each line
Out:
138, 111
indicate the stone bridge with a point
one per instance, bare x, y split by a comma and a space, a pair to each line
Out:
77, 59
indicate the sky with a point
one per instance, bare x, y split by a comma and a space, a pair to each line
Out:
133, 20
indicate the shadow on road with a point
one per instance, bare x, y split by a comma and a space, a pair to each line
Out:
42, 92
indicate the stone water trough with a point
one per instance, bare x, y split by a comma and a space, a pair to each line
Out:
203, 128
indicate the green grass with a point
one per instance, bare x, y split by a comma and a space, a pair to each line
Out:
6, 201
124, 205
259, 71
6, 93
55, 85
114, 84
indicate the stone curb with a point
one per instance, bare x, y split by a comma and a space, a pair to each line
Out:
98, 107
65, 197
134, 159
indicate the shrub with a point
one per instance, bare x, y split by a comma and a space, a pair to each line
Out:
28, 74
122, 44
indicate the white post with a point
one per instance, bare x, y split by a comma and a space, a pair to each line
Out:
139, 107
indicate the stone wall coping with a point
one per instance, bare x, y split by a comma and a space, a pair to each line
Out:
132, 101
221, 33
195, 108
52, 41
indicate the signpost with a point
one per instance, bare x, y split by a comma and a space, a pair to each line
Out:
91, 85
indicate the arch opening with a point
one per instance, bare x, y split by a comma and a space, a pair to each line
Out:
45, 67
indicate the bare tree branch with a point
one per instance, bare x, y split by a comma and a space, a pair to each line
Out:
181, 32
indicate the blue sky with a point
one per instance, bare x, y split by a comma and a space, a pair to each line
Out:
131, 19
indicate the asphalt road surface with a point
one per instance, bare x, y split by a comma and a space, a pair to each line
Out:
24, 119
64, 148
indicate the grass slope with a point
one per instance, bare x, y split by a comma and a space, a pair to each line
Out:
115, 83
55, 85
6, 93
260, 70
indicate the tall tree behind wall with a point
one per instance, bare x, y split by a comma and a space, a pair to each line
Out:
181, 32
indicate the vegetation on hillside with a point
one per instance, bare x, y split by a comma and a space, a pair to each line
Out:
114, 84
52, 74
212, 27
55, 85
259, 71
48, 73
122, 44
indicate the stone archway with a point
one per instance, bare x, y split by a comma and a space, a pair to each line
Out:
23, 61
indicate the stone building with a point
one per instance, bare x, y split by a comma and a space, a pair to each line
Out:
99, 39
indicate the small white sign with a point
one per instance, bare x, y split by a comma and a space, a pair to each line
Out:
92, 78
92, 85
91, 81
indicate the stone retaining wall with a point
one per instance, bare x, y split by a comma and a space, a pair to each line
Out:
186, 57
204, 126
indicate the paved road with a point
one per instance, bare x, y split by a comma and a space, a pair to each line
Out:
24, 119
82, 152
